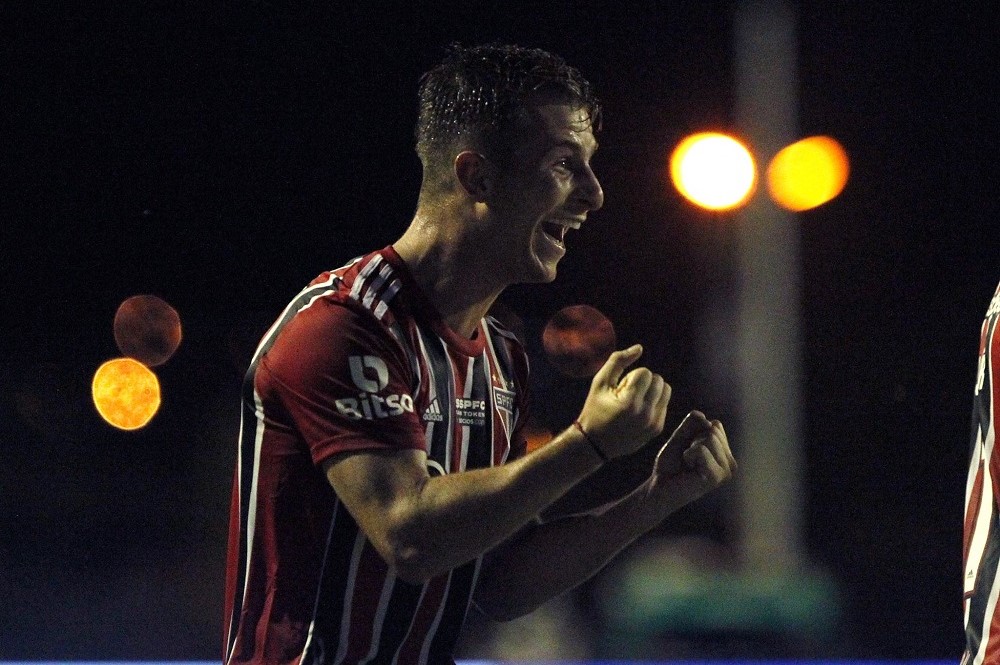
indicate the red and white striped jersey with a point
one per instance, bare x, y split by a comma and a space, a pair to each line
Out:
981, 542
359, 360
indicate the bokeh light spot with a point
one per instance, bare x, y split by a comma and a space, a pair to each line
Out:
713, 170
148, 329
536, 436
808, 173
126, 393
578, 339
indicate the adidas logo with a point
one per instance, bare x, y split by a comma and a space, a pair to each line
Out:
433, 412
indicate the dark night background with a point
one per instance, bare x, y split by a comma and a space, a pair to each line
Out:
220, 155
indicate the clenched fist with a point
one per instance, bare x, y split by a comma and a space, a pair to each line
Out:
696, 459
622, 413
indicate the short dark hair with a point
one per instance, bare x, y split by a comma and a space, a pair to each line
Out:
475, 92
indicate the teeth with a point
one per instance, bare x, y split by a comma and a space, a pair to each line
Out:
555, 230
558, 228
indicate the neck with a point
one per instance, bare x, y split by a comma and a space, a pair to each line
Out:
449, 271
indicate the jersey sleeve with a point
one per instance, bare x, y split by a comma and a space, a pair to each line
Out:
340, 380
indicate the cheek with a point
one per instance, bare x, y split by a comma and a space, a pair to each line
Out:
533, 197
550, 190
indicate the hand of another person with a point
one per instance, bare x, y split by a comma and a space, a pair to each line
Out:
620, 413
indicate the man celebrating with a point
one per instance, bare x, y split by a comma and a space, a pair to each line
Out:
382, 482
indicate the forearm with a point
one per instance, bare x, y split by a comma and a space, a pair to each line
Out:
564, 553
457, 517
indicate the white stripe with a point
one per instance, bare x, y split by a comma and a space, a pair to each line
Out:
362, 277
394, 287
383, 607
431, 391
275, 327
345, 618
987, 619
420, 602
399, 335
234, 626
316, 297
319, 582
508, 426
377, 283
252, 504
981, 529
974, 461
490, 399
432, 631
330, 281
465, 428
991, 429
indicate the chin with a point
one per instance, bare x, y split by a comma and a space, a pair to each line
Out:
541, 274
540, 267
548, 278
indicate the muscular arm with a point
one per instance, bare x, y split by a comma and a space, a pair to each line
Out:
423, 526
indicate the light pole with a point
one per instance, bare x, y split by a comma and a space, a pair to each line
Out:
768, 332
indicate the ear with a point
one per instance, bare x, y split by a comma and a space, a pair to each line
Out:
473, 173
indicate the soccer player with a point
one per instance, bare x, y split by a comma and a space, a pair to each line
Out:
981, 546
382, 482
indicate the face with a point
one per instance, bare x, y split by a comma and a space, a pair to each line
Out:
544, 192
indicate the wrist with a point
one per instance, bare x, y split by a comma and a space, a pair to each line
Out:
662, 497
590, 442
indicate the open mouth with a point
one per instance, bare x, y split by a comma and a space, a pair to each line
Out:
555, 231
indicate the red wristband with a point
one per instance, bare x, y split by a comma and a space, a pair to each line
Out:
600, 453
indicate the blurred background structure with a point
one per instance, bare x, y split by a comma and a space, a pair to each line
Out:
219, 155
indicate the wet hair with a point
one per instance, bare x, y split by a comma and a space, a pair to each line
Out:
475, 95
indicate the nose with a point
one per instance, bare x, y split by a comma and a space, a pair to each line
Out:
589, 190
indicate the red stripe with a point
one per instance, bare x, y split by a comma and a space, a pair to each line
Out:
367, 594
972, 511
992, 655
230, 622
430, 603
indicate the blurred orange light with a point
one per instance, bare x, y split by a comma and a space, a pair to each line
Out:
126, 393
537, 437
808, 173
578, 340
713, 170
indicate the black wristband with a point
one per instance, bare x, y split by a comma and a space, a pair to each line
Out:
600, 453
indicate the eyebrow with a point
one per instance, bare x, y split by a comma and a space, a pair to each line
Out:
575, 145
